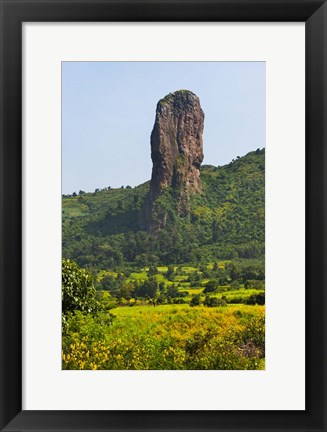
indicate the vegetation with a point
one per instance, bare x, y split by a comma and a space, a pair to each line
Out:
189, 296
78, 292
168, 337
103, 229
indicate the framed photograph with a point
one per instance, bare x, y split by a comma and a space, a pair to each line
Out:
163, 215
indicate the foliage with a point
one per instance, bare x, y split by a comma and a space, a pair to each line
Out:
168, 337
195, 300
148, 289
210, 286
188, 296
78, 292
152, 270
104, 229
213, 301
258, 298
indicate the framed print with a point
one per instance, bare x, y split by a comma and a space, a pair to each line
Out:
163, 215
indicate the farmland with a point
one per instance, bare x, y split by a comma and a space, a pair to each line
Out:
170, 337
164, 331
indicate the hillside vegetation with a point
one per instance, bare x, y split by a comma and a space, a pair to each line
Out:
189, 295
102, 229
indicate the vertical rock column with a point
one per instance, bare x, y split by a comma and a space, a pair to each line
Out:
177, 147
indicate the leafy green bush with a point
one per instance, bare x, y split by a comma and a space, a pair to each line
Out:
78, 292
195, 300
214, 301
210, 286
256, 299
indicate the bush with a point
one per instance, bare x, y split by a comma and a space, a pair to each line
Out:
256, 299
234, 285
78, 292
153, 270
211, 286
213, 302
178, 301
173, 292
256, 284
170, 274
195, 300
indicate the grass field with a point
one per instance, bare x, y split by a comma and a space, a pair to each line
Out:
166, 329
168, 337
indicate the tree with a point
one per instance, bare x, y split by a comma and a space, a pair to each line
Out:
195, 279
141, 260
172, 291
252, 273
111, 284
210, 301
78, 292
234, 285
256, 284
148, 289
152, 271
214, 301
170, 274
256, 299
233, 270
195, 300
125, 291
211, 286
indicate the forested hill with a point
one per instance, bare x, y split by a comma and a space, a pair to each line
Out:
103, 229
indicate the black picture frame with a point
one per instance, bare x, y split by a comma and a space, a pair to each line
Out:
13, 14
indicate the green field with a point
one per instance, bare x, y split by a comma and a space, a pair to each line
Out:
165, 318
169, 337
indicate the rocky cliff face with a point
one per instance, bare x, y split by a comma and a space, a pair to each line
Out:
177, 148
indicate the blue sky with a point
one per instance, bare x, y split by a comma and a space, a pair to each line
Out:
108, 112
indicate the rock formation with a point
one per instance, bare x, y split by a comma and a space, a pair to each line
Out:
176, 148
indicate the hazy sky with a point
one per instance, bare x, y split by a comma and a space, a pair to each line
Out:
108, 112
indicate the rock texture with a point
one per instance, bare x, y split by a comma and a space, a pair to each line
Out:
177, 147
176, 143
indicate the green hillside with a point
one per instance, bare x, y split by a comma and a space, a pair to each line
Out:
189, 294
103, 229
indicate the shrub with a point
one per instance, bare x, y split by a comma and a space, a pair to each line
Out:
211, 286
172, 291
256, 284
153, 270
213, 302
195, 300
256, 299
234, 285
78, 292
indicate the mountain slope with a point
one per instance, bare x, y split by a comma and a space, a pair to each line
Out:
104, 229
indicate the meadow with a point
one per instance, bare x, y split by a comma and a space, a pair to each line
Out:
169, 337
162, 329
